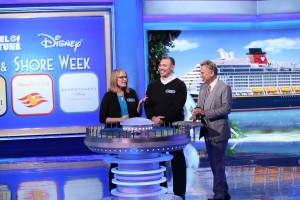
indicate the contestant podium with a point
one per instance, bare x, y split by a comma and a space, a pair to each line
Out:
137, 148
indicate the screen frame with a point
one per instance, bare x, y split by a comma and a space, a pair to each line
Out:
106, 13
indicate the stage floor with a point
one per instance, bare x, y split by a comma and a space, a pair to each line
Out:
260, 167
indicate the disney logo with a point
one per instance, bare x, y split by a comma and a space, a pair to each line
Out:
50, 42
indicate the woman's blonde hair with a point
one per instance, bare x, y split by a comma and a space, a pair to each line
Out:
113, 87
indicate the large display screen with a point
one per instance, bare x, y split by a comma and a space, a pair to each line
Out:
53, 69
261, 66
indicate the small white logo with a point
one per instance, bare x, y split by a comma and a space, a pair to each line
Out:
170, 91
130, 100
50, 42
10, 43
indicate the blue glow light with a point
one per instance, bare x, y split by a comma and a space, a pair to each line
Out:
222, 22
223, 25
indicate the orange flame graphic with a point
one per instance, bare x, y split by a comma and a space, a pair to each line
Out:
32, 100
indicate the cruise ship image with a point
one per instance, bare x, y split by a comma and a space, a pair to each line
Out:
256, 83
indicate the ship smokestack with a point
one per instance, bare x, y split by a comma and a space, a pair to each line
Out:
257, 56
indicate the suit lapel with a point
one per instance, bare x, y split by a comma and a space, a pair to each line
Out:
209, 100
201, 97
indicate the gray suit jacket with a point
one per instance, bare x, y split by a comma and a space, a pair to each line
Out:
217, 106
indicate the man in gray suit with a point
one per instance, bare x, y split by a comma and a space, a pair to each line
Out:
214, 105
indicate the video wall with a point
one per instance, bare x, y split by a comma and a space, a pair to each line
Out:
262, 66
53, 68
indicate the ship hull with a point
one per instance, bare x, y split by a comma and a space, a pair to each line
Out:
264, 102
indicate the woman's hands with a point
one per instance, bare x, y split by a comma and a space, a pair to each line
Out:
143, 100
139, 108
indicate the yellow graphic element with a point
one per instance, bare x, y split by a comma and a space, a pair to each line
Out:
33, 99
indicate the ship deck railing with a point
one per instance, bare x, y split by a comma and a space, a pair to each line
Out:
235, 92
272, 91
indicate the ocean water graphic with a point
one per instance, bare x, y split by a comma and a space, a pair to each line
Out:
267, 120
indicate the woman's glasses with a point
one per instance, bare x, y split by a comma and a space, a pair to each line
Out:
123, 77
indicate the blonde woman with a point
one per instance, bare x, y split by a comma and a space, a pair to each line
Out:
120, 102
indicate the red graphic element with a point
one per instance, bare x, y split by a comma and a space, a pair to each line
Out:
260, 58
32, 100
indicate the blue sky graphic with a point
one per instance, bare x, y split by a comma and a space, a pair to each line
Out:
195, 46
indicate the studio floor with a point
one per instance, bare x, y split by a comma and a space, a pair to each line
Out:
262, 169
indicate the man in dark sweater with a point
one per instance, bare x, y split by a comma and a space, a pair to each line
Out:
165, 105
